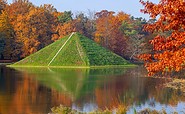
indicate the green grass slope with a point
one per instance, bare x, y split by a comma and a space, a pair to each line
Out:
99, 56
79, 51
71, 55
43, 56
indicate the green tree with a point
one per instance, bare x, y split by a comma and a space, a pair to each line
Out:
65, 17
135, 42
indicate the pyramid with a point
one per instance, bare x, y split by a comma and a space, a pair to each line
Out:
74, 50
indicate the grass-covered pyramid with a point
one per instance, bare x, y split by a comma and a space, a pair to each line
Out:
74, 51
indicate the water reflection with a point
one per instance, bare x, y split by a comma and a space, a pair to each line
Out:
36, 90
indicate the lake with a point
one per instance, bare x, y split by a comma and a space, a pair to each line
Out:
37, 90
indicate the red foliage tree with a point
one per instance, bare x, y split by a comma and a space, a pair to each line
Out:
168, 50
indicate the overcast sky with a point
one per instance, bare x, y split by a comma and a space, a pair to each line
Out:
131, 7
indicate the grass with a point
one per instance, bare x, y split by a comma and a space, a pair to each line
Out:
69, 55
79, 51
43, 56
76, 67
99, 56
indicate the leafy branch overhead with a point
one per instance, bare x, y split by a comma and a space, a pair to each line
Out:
169, 50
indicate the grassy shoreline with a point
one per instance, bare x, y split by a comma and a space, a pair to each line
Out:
5, 64
94, 67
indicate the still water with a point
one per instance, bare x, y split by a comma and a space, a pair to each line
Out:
37, 90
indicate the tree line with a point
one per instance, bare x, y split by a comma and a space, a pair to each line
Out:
26, 28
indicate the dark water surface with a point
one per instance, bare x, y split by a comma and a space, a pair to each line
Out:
37, 90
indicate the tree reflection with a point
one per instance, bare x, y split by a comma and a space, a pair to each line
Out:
36, 90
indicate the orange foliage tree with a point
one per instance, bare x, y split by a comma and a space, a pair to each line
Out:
168, 50
65, 25
17, 12
6, 34
108, 32
33, 26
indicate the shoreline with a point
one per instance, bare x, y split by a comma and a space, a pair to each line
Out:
176, 84
93, 67
5, 64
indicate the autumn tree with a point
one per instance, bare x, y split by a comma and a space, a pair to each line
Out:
108, 32
169, 50
103, 27
41, 24
33, 26
65, 25
17, 12
133, 30
85, 25
6, 36
2, 5
2, 40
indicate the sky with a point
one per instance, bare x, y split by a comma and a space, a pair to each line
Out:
131, 7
